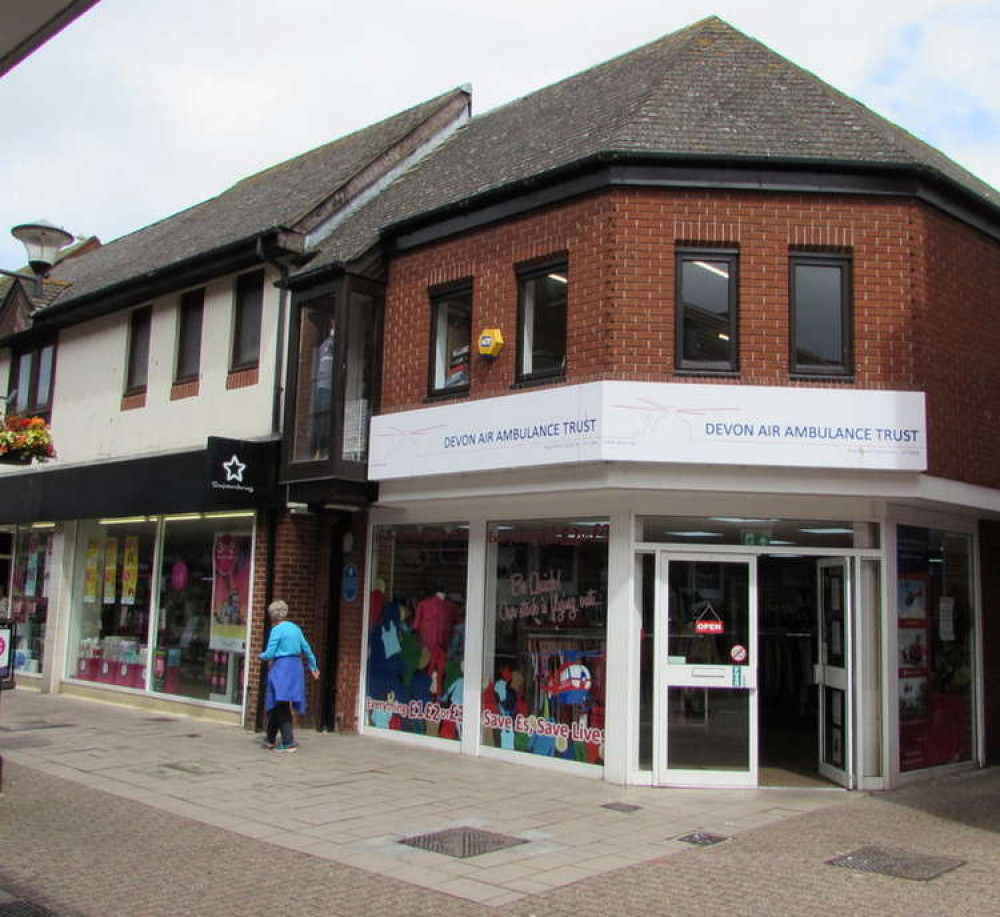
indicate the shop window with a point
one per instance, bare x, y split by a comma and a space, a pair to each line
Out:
111, 602
189, 322
707, 321
204, 601
821, 315
247, 321
315, 380
759, 531
360, 373
544, 294
137, 371
545, 639
934, 619
29, 597
451, 340
416, 637
30, 382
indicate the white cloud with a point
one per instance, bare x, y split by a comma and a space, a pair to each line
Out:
158, 106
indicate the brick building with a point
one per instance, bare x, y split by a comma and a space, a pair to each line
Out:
716, 512
659, 444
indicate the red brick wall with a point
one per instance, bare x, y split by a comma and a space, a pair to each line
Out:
302, 577
957, 331
296, 573
919, 282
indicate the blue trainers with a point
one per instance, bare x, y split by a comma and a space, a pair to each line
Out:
288, 748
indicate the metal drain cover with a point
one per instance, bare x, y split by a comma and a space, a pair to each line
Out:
702, 838
463, 842
893, 861
621, 807
24, 909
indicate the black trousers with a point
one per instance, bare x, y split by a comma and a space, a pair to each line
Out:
280, 719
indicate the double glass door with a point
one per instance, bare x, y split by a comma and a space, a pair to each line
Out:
706, 696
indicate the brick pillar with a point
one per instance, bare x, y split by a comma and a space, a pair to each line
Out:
351, 640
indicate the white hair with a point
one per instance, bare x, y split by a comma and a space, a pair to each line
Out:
278, 610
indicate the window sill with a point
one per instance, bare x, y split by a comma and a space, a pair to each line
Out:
134, 401
243, 378
450, 395
821, 377
708, 373
536, 381
184, 389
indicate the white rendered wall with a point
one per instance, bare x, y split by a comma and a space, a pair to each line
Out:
88, 423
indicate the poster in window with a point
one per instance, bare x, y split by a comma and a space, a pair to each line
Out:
230, 591
130, 569
90, 571
110, 571
912, 598
913, 698
946, 619
912, 648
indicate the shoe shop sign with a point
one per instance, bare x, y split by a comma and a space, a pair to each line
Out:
659, 423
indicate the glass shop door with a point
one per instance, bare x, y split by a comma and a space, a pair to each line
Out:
706, 646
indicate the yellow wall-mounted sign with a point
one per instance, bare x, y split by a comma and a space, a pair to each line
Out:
490, 343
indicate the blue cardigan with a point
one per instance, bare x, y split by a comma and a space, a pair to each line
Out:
287, 639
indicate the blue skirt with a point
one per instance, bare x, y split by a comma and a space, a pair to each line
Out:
286, 681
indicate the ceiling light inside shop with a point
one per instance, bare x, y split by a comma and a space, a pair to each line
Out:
181, 517
828, 531
123, 520
43, 525
559, 278
738, 520
696, 534
234, 514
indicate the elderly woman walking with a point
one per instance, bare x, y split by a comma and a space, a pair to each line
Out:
285, 680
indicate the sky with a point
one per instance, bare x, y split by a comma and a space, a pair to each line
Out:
138, 110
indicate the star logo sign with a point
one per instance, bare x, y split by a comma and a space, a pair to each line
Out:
234, 469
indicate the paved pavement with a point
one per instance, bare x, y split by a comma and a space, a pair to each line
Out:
109, 809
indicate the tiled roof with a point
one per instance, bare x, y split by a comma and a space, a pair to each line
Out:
274, 198
707, 91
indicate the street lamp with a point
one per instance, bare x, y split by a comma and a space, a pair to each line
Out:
43, 242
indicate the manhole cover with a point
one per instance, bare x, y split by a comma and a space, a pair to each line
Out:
24, 909
463, 842
621, 807
702, 838
893, 861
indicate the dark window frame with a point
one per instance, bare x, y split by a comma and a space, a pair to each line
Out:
823, 259
32, 406
190, 322
526, 273
339, 293
439, 296
248, 292
713, 367
139, 320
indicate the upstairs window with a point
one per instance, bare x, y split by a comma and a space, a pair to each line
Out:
31, 381
247, 320
315, 379
544, 293
451, 340
137, 370
821, 315
189, 319
707, 321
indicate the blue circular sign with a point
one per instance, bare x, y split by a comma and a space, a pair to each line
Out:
351, 583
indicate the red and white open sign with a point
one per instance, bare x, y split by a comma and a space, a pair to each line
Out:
709, 626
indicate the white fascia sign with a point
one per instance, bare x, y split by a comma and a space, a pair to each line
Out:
656, 422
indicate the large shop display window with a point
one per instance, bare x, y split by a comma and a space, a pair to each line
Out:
112, 592
934, 621
29, 597
545, 639
205, 580
416, 638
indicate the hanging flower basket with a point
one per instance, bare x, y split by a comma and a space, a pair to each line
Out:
24, 440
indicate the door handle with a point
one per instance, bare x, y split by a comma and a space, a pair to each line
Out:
709, 672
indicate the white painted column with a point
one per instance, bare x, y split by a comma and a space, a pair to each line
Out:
620, 677
59, 610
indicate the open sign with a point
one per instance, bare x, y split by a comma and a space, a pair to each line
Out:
709, 626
